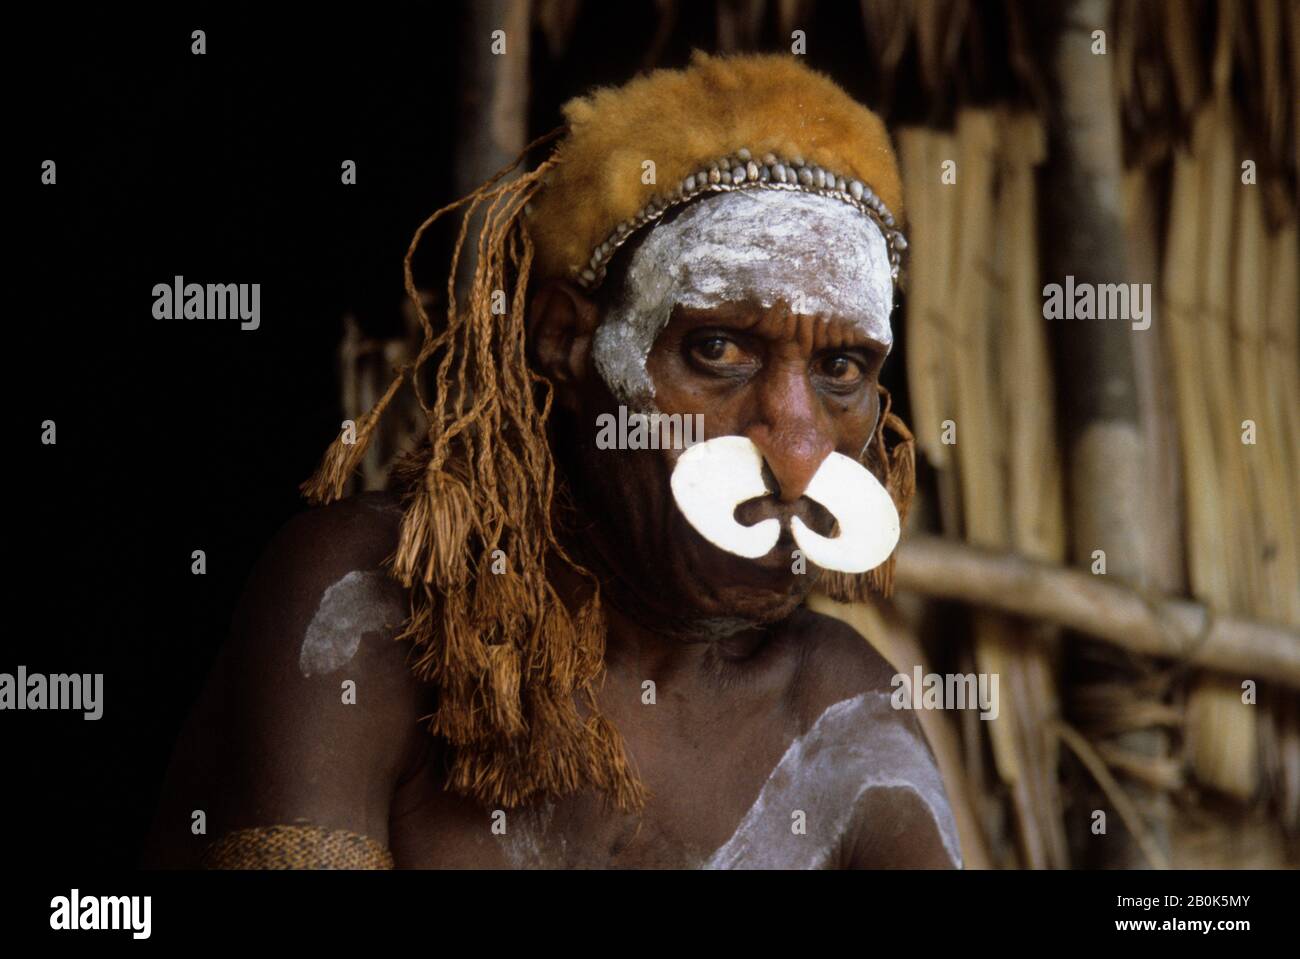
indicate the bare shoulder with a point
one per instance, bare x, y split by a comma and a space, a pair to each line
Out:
314, 637
835, 663
900, 812
319, 601
358, 531
316, 707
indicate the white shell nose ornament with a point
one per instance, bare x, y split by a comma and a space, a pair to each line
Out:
868, 519
714, 477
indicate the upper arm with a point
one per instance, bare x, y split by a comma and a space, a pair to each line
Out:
312, 715
899, 827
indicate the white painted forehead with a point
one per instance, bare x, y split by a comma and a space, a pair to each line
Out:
767, 245
817, 255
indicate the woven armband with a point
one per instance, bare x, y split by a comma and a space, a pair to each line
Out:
296, 847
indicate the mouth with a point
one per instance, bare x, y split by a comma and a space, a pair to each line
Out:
776, 568
781, 557
782, 554
770, 580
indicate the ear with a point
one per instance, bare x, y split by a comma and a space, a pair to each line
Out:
561, 323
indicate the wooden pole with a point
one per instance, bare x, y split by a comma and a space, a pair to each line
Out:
1084, 238
1144, 623
492, 115
492, 120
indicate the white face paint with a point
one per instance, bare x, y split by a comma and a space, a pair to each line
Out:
855, 746
361, 602
817, 254
714, 477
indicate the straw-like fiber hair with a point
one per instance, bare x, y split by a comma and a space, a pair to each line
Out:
506, 656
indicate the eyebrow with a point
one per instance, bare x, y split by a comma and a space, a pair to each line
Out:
742, 317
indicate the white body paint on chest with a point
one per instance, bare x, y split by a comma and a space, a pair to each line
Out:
359, 603
819, 255
529, 841
854, 746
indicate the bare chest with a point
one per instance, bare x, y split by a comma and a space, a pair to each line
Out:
756, 795
700, 787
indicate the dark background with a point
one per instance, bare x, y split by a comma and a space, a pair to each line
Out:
181, 435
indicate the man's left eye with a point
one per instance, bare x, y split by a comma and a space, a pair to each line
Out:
840, 368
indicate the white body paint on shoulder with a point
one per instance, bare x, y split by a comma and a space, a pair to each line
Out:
359, 603
854, 746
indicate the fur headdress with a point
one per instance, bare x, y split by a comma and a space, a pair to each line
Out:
508, 658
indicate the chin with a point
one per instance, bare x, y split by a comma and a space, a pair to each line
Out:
760, 591
759, 607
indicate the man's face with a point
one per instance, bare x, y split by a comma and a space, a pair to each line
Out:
768, 317
798, 386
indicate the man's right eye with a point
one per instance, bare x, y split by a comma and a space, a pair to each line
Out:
718, 350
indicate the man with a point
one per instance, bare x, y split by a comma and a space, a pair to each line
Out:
603, 658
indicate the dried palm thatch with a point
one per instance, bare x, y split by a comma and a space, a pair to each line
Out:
1226, 281
1229, 300
980, 380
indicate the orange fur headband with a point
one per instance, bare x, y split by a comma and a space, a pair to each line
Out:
635, 151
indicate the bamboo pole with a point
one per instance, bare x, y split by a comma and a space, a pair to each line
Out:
739, 23
1163, 558
492, 115
1221, 730
1031, 471
972, 309
1083, 218
922, 152
1281, 373
1142, 623
491, 126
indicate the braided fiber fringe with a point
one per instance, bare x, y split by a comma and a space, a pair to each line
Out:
296, 847
506, 655
895, 468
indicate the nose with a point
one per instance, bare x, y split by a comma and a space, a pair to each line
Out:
793, 432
